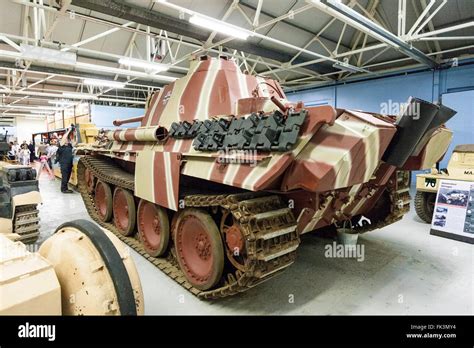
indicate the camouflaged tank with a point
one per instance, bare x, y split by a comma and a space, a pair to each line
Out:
224, 174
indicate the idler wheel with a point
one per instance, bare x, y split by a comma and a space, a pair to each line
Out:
90, 180
124, 211
199, 248
103, 201
234, 241
153, 228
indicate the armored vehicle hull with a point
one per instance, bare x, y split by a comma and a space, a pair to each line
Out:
19, 199
225, 174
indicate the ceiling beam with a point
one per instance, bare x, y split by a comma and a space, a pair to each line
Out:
355, 19
79, 75
293, 25
126, 11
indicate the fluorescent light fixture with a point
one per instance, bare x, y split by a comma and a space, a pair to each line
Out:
76, 95
62, 102
219, 26
155, 67
127, 101
29, 107
103, 83
369, 27
350, 68
47, 55
43, 112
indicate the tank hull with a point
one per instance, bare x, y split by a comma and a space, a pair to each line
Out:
229, 152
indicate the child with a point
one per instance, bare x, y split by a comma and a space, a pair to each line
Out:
24, 155
44, 165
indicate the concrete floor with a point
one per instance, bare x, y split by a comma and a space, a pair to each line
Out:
405, 271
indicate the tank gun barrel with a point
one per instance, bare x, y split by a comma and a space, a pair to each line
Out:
118, 123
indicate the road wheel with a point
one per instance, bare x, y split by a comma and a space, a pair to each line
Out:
124, 211
424, 205
153, 228
199, 248
103, 201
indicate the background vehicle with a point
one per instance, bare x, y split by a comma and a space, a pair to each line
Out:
460, 167
19, 198
225, 174
4, 147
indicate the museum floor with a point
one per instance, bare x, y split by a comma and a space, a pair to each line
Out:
405, 271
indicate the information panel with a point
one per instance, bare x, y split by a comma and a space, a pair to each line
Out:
453, 212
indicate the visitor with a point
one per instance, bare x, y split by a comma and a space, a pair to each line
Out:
44, 165
31, 147
16, 149
65, 158
11, 152
24, 155
51, 151
41, 148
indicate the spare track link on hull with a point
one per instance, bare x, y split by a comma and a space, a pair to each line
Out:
26, 223
269, 228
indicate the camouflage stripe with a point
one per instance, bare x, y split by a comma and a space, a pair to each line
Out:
151, 110
330, 163
162, 106
432, 152
136, 134
191, 97
162, 187
224, 92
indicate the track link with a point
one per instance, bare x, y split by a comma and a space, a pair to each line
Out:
26, 223
269, 229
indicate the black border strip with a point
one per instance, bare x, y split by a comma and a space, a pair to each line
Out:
454, 236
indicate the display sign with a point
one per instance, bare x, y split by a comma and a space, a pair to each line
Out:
453, 212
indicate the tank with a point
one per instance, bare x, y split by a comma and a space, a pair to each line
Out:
224, 175
4, 146
19, 199
460, 167
79, 270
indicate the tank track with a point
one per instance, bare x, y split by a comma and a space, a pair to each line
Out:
26, 223
400, 198
268, 225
